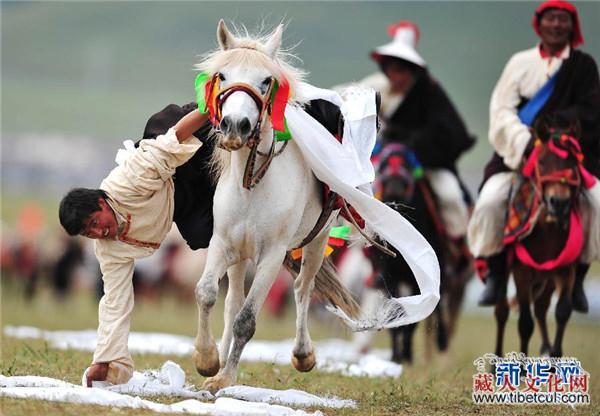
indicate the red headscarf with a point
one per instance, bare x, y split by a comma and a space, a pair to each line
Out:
577, 38
402, 24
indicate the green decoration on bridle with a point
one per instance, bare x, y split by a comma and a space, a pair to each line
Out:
200, 87
342, 232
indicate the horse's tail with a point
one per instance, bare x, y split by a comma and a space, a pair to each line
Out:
328, 286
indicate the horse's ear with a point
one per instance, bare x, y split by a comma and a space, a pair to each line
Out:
226, 39
274, 43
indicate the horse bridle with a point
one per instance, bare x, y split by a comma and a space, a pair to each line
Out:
263, 103
570, 176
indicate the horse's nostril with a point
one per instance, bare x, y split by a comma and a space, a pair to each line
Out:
244, 126
225, 124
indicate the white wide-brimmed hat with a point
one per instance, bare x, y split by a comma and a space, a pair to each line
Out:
406, 36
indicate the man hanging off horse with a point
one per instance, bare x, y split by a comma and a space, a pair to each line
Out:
552, 79
132, 212
416, 111
166, 179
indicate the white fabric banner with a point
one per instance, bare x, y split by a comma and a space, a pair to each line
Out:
333, 164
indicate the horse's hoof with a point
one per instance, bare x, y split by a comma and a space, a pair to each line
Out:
304, 363
216, 383
206, 361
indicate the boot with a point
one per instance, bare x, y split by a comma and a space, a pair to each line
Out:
580, 303
495, 280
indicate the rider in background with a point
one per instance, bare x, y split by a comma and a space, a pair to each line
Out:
574, 97
416, 111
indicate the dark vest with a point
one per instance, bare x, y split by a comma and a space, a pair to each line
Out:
427, 122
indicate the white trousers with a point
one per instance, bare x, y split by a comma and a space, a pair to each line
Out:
486, 227
453, 208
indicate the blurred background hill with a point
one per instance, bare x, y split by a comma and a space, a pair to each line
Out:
80, 77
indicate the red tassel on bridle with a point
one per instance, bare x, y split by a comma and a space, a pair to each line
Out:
529, 167
279, 100
210, 92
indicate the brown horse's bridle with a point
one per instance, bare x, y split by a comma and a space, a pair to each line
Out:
263, 103
570, 177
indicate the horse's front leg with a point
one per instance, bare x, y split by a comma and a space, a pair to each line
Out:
523, 278
244, 324
541, 305
564, 307
233, 303
205, 355
303, 355
501, 311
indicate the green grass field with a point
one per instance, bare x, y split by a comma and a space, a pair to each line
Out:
442, 386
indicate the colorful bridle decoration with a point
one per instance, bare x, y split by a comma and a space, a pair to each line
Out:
393, 161
561, 145
210, 98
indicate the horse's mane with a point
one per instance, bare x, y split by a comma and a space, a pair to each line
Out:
250, 51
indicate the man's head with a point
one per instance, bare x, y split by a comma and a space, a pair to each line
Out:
85, 212
399, 72
557, 24
399, 59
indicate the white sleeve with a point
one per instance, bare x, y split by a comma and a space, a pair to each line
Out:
155, 161
507, 134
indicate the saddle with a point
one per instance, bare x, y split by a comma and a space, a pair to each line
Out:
330, 117
524, 207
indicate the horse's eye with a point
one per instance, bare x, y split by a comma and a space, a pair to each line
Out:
221, 77
264, 85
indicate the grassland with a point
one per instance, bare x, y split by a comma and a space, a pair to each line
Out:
442, 386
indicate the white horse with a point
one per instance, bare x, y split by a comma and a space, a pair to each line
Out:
259, 224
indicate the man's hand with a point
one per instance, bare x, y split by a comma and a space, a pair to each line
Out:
97, 372
189, 124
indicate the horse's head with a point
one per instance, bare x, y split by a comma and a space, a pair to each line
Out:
397, 171
554, 165
245, 74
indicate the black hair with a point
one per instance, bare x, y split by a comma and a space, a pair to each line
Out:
77, 206
388, 60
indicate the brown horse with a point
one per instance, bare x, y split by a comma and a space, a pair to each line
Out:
545, 260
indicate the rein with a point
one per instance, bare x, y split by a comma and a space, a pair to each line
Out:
263, 103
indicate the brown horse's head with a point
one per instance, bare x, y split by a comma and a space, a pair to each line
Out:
554, 167
397, 172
